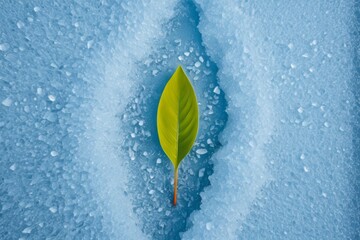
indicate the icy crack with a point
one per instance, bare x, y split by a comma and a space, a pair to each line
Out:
150, 171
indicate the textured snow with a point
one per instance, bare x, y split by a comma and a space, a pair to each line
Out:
114, 87
279, 67
277, 152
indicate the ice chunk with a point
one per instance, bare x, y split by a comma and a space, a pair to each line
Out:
7, 102
13, 167
27, 230
313, 43
53, 209
50, 116
39, 91
89, 44
52, 98
155, 72
201, 151
201, 172
20, 24
54, 153
209, 226
217, 90
4, 47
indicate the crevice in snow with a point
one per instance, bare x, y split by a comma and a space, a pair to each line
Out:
151, 172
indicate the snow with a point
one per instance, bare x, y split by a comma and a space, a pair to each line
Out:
276, 155
261, 192
114, 88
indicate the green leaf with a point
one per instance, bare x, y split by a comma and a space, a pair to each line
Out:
177, 119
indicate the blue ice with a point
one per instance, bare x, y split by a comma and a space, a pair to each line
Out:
277, 151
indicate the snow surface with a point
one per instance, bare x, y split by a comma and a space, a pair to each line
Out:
276, 156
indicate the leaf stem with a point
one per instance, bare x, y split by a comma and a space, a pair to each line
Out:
175, 184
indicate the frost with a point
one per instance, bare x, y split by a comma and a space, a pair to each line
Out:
80, 84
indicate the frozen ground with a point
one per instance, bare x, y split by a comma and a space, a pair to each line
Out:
277, 153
